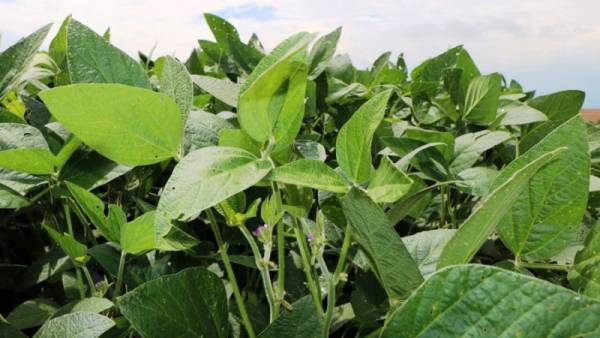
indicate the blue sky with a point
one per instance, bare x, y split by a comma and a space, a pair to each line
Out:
546, 45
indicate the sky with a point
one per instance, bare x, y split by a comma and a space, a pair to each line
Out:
547, 45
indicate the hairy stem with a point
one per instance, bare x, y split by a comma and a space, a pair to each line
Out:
334, 280
230, 274
119, 285
307, 267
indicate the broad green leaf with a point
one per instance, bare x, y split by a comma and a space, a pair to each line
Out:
271, 102
206, 177
516, 113
353, 143
388, 256
425, 248
585, 275
222, 89
202, 130
20, 182
73, 248
558, 107
229, 41
456, 58
301, 321
481, 102
91, 304
10, 199
93, 208
46, 267
484, 301
322, 52
128, 125
23, 148
190, 303
311, 149
138, 236
16, 58
433, 136
417, 199
482, 222
469, 147
237, 138
477, 180
31, 313
86, 57
76, 325
545, 217
389, 183
90, 170
175, 81
311, 174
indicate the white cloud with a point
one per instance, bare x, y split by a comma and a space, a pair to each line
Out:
549, 45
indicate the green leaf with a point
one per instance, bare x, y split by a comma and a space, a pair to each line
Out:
301, 321
91, 304
76, 325
222, 89
90, 170
484, 301
516, 113
558, 107
425, 248
190, 303
311, 149
481, 102
206, 177
271, 102
482, 222
585, 275
16, 59
389, 183
10, 199
237, 138
202, 130
456, 58
469, 147
31, 313
545, 217
93, 208
311, 174
389, 258
23, 148
128, 125
73, 248
86, 57
353, 143
477, 180
175, 81
138, 236
322, 52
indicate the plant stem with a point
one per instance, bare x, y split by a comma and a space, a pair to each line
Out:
331, 294
443, 206
67, 212
89, 279
263, 268
312, 286
40, 194
280, 266
543, 266
119, 285
230, 274
70, 146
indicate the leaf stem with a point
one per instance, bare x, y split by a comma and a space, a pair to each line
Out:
263, 268
230, 274
80, 285
89, 279
280, 266
542, 266
331, 294
70, 146
119, 285
307, 267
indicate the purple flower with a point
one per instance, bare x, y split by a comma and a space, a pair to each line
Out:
259, 230
310, 237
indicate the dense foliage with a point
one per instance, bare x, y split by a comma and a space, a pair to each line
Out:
287, 193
